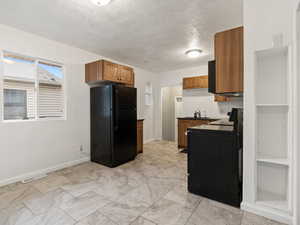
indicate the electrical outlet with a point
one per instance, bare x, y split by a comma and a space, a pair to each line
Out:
81, 148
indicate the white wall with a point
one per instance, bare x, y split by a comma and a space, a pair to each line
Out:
201, 100
262, 20
146, 112
296, 26
174, 78
29, 147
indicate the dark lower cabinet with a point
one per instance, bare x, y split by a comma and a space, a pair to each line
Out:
214, 166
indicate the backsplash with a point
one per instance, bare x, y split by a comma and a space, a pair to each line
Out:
200, 99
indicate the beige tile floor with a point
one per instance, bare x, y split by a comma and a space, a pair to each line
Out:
148, 191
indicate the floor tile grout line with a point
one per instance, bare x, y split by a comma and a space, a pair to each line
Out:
143, 219
193, 212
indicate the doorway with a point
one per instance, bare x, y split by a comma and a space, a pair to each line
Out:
171, 109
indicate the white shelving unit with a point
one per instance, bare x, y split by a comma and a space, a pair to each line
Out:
274, 130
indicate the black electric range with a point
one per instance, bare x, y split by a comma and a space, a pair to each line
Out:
215, 161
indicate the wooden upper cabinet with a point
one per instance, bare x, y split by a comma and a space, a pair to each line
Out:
195, 82
229, 54
103, 70
126, 75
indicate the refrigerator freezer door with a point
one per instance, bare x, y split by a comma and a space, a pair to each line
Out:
101, 124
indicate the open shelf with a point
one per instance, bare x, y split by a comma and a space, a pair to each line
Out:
273, 192
284, 162
272, 76
272, 132
148, 94
272, 105
148, 88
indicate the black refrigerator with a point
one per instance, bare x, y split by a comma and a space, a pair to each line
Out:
113, 124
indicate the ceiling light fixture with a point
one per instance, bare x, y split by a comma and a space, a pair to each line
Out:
194, 53
101, 2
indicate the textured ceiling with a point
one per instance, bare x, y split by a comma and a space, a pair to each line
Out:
151, 34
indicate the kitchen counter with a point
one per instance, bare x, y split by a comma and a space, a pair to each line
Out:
213, 128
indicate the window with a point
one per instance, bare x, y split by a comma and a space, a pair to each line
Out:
33, 88
50, 90
15, 104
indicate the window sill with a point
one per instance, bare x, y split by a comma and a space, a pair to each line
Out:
34, 120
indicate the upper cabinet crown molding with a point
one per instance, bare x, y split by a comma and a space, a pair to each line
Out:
104, 70
195, 82
229, 54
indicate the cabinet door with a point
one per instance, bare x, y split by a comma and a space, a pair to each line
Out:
204, 81
186, 83
110, 72
186, 125
229, 61
181, 133
195, 82
92, 72
140, 136
125, 74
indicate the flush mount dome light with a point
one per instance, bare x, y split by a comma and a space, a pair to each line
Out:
193, 53
101, 2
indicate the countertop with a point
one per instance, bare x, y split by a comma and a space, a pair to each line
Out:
213, 128
202, 118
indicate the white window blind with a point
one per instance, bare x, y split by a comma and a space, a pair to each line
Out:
50, 101
50, 95
29, 88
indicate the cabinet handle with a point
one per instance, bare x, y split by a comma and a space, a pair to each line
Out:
187, 133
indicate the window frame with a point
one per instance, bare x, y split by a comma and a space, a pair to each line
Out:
36, 89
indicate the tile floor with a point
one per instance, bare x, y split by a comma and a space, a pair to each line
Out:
148, 191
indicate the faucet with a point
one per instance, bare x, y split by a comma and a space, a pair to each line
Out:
197, 114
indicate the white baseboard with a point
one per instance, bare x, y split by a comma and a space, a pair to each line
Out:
43, 171
267, 212
150, 140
